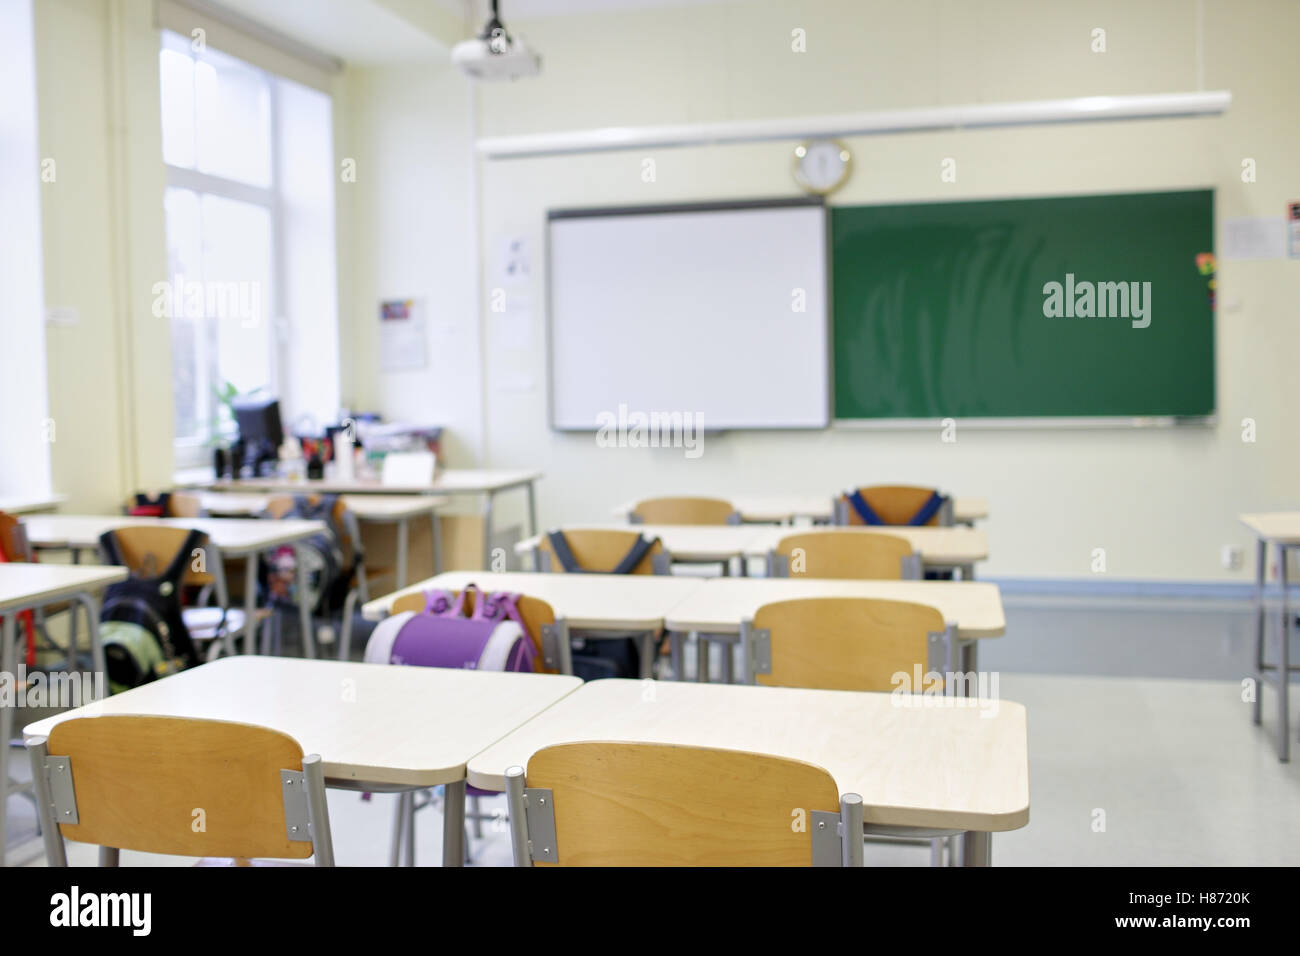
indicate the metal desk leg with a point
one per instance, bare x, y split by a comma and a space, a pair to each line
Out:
403, 543
487, 533
453, 824
646, 645
304, 611
1284, 666
728, 657
977, 848
675, 644
1261, 571
7, 641
701, 658
437, 541
250, 603
532, 508
968, 572
98, 665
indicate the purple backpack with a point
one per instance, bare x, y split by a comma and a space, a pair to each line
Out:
492, 638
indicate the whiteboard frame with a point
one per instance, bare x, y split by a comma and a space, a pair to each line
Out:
731, 205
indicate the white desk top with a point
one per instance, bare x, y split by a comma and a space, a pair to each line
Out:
635, 602
365, 507
26, 504
30, 585
376, 724
233, 536
935, 766
720, 604
445, 481
944, 547
787, 507
1280, 527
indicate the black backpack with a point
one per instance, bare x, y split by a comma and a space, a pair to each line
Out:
151, 602
604, 657
328, 580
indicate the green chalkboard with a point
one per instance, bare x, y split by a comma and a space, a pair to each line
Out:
939, 308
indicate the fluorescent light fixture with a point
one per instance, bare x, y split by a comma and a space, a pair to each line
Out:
974, 116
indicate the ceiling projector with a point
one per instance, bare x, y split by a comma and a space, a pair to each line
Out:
495, 55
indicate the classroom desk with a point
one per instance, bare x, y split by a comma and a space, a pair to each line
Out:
376, 727
1282, 530
231, 537
592, 603
940, 548
920, 771
714, 610
26, 586
484, 482
787, 508
369, 509
29, 504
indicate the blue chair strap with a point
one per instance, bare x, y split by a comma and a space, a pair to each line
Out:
928, 510
560, 545
863, 509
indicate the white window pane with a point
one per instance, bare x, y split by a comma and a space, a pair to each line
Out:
232, 119
237, 264
177, 87
184, 256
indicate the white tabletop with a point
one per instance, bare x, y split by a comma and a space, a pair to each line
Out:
937, 546
943, 767
819, 507
233, 536
445, 481
31, 585
26, 504
365, 507
1280, 527
720, 604
377, 724
635, 602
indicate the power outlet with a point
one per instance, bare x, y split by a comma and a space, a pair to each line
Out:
1231, 557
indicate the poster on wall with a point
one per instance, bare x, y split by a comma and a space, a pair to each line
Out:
402, 334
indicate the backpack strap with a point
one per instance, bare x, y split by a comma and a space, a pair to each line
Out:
635, 556
560, 545
440, 603
176, 570
928, 510
863, 509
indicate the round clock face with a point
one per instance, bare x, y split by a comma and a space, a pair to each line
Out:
821, 166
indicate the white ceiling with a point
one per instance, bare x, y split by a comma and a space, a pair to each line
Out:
355, 31
537, 9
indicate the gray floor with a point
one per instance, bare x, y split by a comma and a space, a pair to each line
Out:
1141, 749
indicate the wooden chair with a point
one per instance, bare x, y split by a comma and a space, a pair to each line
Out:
601, 550
843, 554
836, 643
183, 504
179, 786
146, 549
894, 504
640, 804
682, 510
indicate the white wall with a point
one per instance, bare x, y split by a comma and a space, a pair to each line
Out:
405, 231
1161, 502
24, 429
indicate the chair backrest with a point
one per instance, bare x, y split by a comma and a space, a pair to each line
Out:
180, 786
682, 510
277, 506
894, 504
535, 612
147, 549
13, 538
600, 550
845, 554
640, 804
834, 643
182, 504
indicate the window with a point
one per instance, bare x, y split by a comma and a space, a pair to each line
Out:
240, 195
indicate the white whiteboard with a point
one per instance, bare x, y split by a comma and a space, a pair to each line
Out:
690, 310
